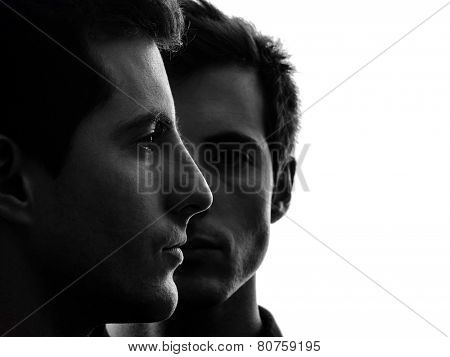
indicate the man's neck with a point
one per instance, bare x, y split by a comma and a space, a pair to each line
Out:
238, 316
26, 307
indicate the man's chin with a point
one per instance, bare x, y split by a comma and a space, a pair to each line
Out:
165, 300
156, 302
201, 292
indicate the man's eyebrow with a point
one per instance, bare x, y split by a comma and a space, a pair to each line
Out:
232, 137
141, 123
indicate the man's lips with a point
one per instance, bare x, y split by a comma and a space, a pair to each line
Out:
175, 246
197, 243
173, 250
175, 243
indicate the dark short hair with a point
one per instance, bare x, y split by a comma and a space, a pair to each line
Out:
214, 39
48, 73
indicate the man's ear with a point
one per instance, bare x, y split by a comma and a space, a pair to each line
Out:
14, 193
281, 196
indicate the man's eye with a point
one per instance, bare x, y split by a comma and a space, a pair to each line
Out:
156, 131
246, 156
235, 157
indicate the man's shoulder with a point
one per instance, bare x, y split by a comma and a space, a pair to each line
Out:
99, 331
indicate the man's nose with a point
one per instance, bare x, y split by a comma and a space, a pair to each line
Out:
191, 194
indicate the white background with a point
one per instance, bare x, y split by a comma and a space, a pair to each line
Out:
378, 169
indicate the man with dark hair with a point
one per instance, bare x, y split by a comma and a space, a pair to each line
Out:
85, 107
238, 106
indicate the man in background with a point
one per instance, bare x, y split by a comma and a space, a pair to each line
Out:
85, 106
238, 109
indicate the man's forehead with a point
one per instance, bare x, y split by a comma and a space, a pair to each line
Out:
136, 72
223, 86
217, 100
130, 62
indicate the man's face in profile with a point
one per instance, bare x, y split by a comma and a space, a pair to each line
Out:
221, 108
93, 210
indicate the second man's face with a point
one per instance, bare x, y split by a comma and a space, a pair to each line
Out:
221, 113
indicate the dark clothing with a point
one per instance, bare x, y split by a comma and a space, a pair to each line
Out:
270, 327
99, 331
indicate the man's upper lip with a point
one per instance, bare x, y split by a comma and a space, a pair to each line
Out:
201, 243
177, 244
